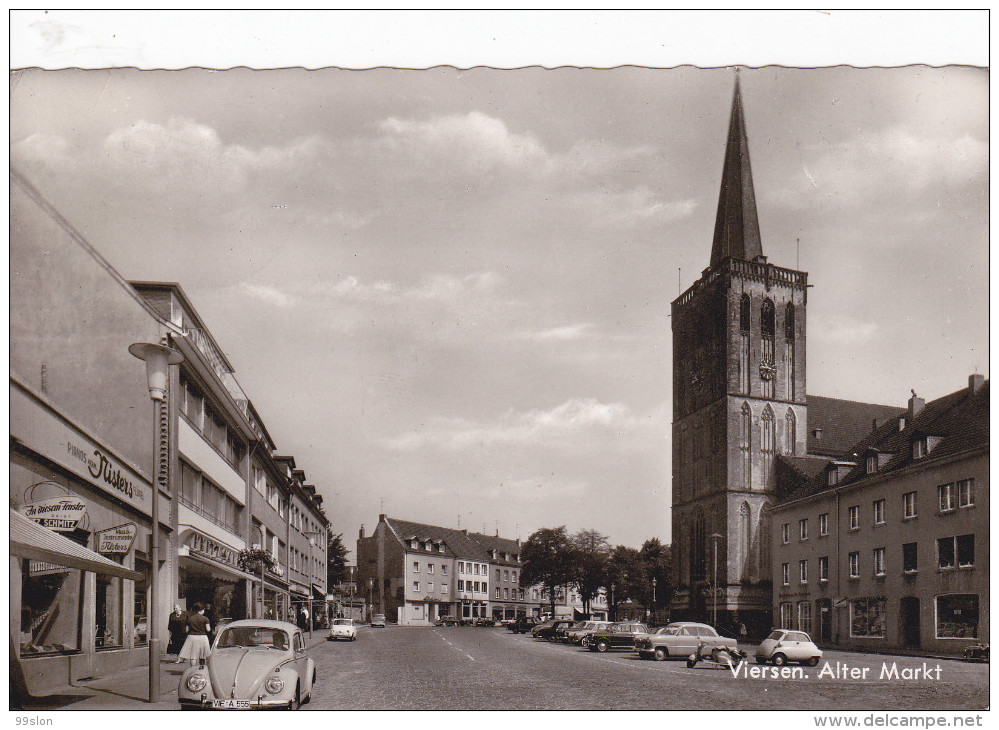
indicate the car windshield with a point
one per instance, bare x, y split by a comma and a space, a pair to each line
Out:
380, 616
254, 636
776, 635
342, 622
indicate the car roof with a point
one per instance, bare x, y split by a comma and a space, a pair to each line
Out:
690, 623
264, 623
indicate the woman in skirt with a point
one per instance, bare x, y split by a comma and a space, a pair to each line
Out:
196, 645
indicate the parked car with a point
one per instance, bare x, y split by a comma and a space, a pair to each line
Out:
561, 633
254, 664
342, 628
548, 628
448, 621
783, 646
581, 635
378, 621
483, 621
523, 624
679, 640
621, 635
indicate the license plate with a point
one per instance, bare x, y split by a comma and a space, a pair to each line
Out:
231, 704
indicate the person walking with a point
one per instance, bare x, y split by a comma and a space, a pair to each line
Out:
177, 626
196, 646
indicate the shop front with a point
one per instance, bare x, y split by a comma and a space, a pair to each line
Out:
209, 574
82, 611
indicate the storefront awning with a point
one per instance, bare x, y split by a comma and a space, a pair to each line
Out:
30, 540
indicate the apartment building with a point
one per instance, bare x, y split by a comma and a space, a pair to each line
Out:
887, 549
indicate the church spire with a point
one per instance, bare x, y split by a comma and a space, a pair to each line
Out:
737, 228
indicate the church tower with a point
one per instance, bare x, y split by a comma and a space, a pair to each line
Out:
738, 402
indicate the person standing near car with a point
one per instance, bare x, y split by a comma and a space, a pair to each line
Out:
196, 646
177, 626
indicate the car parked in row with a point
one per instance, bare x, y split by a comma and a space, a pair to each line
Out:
523, 624
548, 628
620, 635
783, 646
679, 640
581, 634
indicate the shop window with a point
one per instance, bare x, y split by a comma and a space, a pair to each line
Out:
786, 616
140, 630
957, 616
805, 616
109, 612
867, 618
50, 608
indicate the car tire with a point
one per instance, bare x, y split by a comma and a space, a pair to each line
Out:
813, 661
660, 654
296, 703
602, 646
779, 660
585, 643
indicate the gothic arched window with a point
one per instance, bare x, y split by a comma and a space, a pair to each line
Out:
744, 325
745, 444
764, 552
744, 314
746, 538
789, 321
767, 318
768, 439
790, 431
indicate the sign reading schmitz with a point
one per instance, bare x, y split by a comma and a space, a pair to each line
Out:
42, 430
62, 513
116, 540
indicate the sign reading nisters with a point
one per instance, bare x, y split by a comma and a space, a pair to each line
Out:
116, 540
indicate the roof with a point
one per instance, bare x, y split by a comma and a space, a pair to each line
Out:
30, 540
502, 545
843, 423
456, 541
737, 226
959, 421
265, 623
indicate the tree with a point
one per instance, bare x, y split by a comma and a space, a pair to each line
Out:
589, 554
336, 559
547, 560
627, 575
658, 559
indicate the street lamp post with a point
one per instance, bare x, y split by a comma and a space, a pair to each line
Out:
613, 606
158, 359
653, 598
714, 581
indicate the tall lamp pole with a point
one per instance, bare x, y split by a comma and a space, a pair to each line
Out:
715, 537
653, 598
158, 359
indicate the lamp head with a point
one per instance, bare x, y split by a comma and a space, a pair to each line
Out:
158, 360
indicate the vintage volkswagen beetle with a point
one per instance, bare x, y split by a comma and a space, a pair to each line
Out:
254, 664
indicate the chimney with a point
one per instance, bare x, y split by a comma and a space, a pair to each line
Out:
381, 517
916, 404
975, 382
360, 534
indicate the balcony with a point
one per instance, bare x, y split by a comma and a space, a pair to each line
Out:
217, 362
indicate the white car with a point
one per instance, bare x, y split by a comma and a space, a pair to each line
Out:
342, 628
783, 646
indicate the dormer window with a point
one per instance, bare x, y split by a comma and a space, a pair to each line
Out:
429, 546
415, 544
919, 448
872, 464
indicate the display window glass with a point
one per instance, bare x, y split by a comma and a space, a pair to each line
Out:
50, 608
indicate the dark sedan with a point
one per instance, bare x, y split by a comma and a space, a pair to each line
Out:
621, 635
547, 630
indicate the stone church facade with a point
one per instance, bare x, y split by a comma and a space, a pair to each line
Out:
739, 405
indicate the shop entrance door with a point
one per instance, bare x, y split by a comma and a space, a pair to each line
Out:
825, 620
909, 621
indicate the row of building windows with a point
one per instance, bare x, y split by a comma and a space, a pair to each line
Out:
473, 587
956, 616
956, 551
956, 495
209, 424
430, 586
472, 568
208, 499
430, 567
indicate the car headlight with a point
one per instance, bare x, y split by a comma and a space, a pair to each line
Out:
274, 685
196, 682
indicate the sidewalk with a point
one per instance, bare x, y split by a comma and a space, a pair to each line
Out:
129, 689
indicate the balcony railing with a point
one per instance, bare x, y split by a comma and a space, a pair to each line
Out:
218, 365
208, 515
749, 269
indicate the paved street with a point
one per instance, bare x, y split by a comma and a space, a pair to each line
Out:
411, 668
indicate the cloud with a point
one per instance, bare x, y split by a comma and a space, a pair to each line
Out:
558, 334
609, 207
841, 329
563, 425
894, 164
267, 294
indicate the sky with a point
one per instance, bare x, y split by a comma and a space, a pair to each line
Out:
448, 292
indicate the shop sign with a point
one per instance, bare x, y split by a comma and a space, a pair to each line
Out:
61, 514
45, 432
116, 540
206, 547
